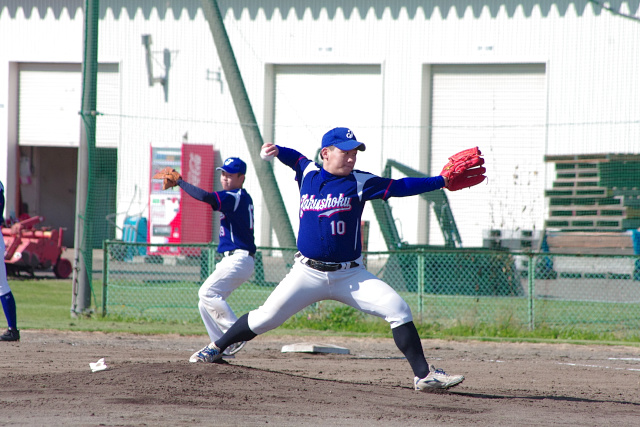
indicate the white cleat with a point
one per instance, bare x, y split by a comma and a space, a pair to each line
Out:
208, 354
437, 380
234, 348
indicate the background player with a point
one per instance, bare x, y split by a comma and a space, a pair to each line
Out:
236, 244
329, 263
8, 302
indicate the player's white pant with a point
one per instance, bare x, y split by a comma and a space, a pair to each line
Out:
4, 284
231, 272
355, 287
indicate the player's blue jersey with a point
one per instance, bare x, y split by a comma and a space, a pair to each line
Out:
236, 221
331, 206
1, 203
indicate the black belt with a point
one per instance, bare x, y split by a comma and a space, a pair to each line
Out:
229, 253
325, 266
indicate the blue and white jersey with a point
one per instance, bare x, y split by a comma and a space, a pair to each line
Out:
331, 206
236, 221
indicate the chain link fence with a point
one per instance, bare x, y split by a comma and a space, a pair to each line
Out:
594, 293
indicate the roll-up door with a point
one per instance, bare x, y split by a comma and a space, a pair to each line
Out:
309, 100
50, 97
500, 108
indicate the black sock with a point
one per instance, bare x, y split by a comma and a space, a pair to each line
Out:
238, 332
408, 341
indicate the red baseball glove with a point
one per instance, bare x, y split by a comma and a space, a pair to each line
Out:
169, 177
464, 169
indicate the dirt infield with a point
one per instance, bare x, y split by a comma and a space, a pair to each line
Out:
46, 380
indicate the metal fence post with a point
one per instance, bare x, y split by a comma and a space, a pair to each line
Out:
212, 256
105, 275
530, 278
421, 283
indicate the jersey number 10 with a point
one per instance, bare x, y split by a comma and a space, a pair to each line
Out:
338, 227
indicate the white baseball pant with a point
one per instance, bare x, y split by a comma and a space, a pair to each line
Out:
355, 287
4, 284
231, 272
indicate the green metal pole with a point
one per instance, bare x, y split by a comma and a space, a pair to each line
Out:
83, 259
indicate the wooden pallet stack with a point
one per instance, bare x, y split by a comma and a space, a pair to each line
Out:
590, 242
594, 193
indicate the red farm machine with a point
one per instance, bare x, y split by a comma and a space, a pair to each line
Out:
31, 249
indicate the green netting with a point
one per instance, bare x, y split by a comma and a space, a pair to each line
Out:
558, 128
581, 292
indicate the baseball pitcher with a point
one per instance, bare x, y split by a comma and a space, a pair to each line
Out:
328, 265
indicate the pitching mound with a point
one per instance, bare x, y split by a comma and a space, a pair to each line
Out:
46, 380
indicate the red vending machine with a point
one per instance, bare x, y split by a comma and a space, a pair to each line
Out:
196, 217
174, 216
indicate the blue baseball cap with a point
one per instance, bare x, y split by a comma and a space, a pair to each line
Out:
234, 165
342, 138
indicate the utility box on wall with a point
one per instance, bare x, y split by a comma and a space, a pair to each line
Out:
176, 217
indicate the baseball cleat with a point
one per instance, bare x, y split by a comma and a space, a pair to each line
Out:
234, 348
209, 354
437, 380
10, 335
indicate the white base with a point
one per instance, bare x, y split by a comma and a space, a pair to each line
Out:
314, 348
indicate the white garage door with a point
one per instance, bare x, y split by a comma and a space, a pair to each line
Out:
309, 100
502, 110
50, 97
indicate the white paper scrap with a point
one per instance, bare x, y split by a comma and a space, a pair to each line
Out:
98, 366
